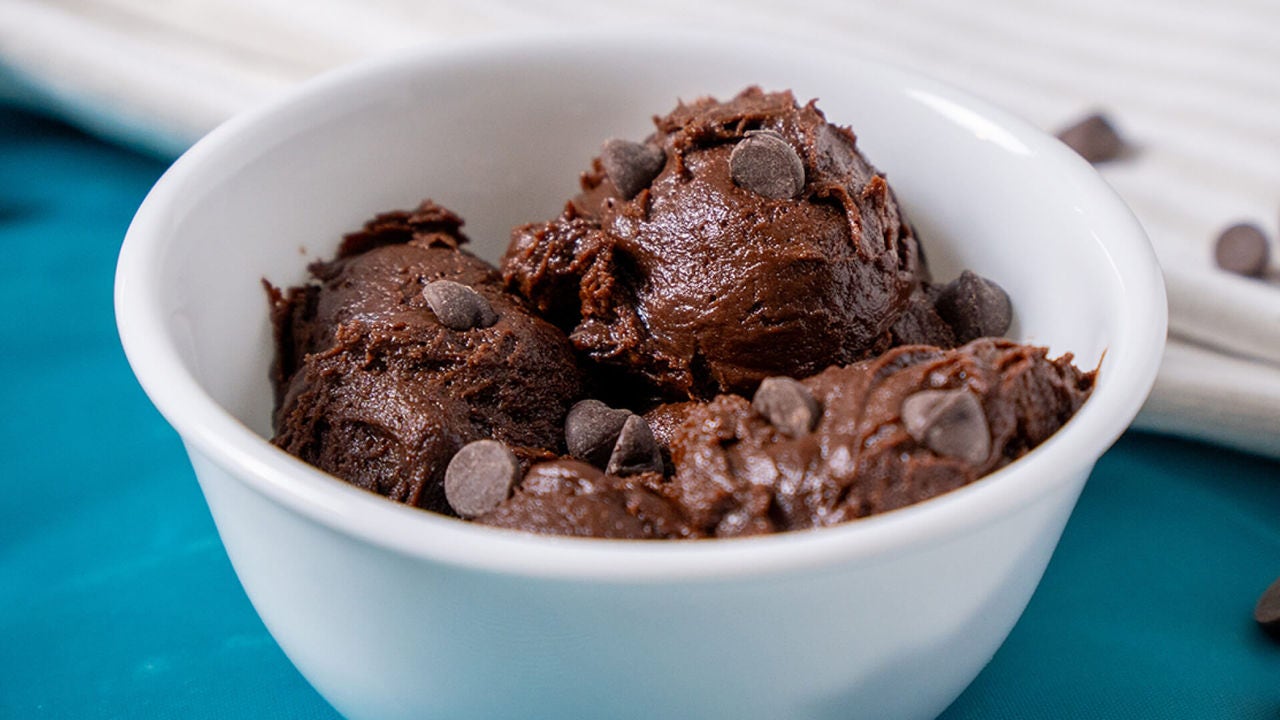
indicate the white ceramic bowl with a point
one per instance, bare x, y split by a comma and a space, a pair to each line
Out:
394, 612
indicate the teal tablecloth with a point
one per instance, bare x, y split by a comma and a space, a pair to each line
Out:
116, 599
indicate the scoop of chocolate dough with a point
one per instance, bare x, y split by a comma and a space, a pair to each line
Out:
743, 239
913, 423
405, 348
851, 441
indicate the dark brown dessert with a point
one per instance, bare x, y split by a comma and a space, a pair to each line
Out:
745, 239
381, 389
730, 331
911, 424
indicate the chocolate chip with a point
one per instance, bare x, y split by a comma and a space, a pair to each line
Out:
630, 165
1267, 611
480, 477
591, 430
767, 165
1242, 249
636, 450
974, 307
788, 405
1094, 138
948, 422
457, 306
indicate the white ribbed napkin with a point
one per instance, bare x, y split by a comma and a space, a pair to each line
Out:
1195, 86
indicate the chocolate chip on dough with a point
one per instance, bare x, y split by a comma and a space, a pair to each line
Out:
788, 405
636, 450
767, 165
974, 307
948, 422
457, 306
1242, 249
631, 165
591, 430
1094, 138
479, 477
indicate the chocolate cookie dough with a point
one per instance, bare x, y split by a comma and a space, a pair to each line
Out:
405, 348
762, 244
737, 472
913, 423
730, 331
570, 497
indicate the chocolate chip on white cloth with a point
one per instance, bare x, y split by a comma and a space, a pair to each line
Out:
636, 450
1242, 249
1094, 138
1267, 612
948, 422
974, 307
591, 430
631, 165
788, 405
479, 477
766, 164
457, 306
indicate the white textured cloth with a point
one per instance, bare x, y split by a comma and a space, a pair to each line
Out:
1195, 85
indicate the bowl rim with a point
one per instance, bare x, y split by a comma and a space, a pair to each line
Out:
211, 431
